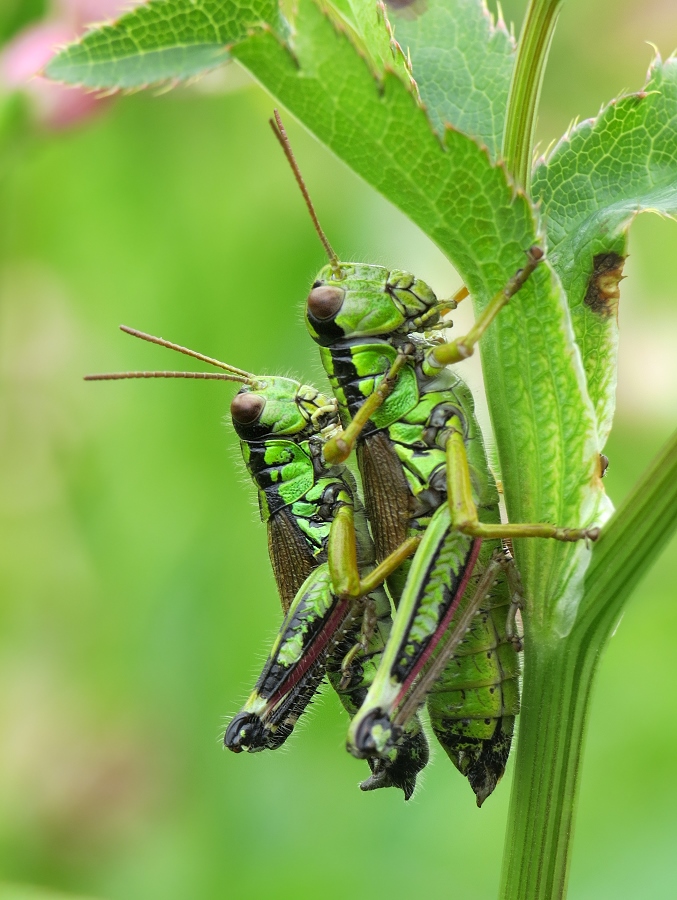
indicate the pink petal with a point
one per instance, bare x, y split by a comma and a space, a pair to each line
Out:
56, 105
30, 50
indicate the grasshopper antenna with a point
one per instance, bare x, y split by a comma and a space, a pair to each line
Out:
117, 376
281, 135
170, 346
234, 374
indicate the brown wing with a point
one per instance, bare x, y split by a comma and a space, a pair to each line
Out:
290, 556
387, 497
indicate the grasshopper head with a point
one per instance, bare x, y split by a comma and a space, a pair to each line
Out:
277, 407
354, 300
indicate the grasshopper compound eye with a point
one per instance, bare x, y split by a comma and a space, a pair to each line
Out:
324, 302
246, 408
245, 732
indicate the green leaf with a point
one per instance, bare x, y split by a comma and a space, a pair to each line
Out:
373, 26
600, 175
164, 40
462, 62
544, 421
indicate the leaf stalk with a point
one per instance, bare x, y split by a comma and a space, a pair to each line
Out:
525, 89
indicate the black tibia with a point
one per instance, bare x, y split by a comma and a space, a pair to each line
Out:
290, 555
387, 497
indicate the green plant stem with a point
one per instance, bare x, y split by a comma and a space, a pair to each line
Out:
525, 89
558, 678
557, 682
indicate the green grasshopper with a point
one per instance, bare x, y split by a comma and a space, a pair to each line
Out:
424, 472
319, 546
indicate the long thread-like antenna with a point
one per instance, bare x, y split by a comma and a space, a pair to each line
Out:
217, 376
170, 346
234, 374
281, 135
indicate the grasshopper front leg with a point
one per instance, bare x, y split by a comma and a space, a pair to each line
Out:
339, 448
463, 347
342, 557
346, 580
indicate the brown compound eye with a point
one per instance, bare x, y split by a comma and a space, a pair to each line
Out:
325, 301
246, 408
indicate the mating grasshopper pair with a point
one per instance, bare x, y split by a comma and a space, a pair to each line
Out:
432, 505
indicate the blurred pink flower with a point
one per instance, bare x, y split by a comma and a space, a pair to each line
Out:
55, 105
88, 12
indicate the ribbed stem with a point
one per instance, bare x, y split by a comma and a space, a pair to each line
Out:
558, 677
557, 682
525, 90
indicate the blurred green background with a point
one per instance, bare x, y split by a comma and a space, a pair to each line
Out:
137, 601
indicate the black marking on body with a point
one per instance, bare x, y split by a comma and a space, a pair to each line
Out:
266, 477
346, 375
435, 431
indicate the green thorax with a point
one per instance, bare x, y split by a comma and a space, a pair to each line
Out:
282, 470
354, 369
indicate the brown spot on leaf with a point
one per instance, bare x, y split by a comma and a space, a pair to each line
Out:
603, 293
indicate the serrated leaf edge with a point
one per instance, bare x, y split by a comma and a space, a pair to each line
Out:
575, 127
